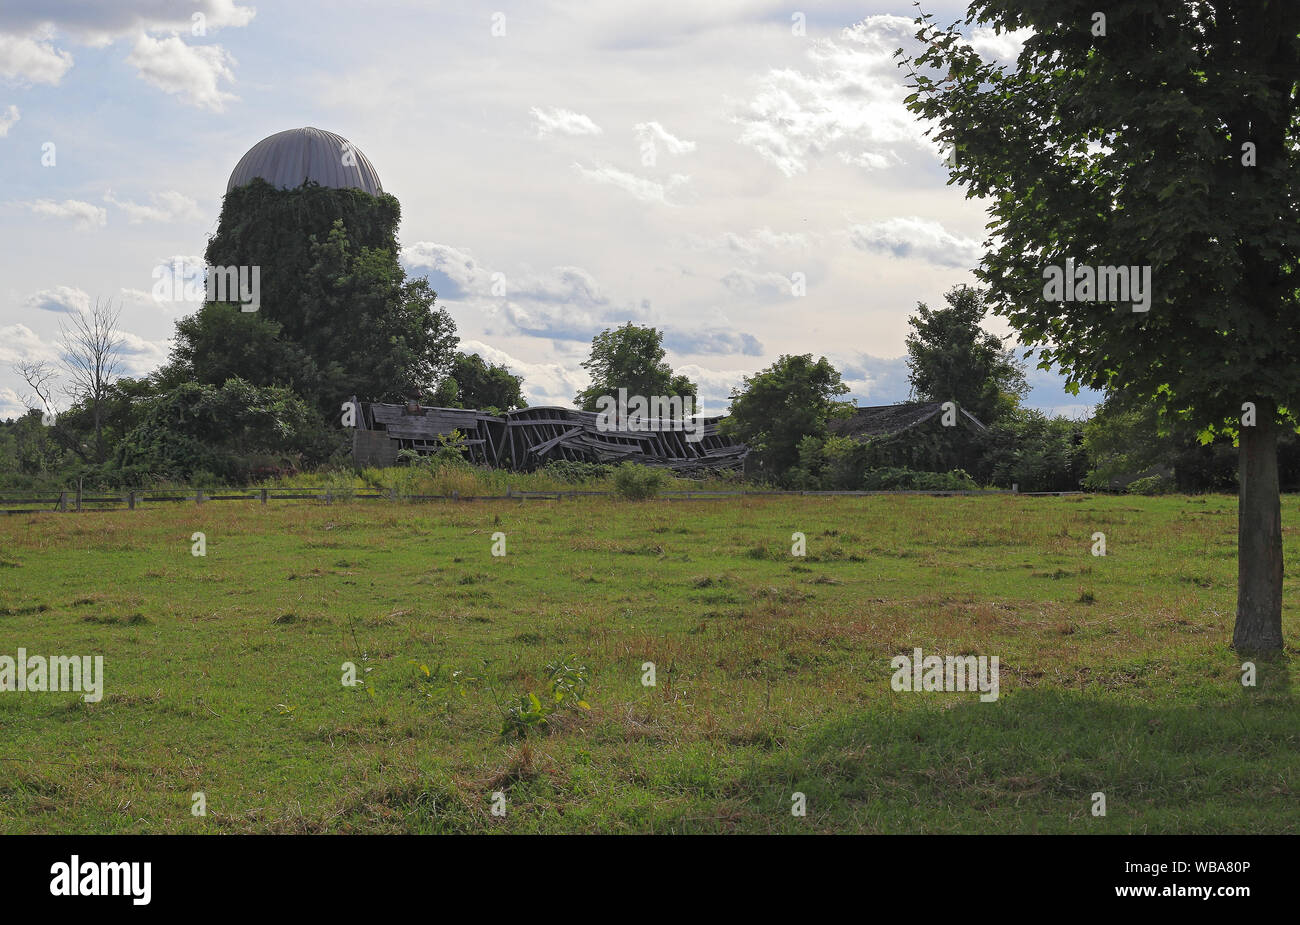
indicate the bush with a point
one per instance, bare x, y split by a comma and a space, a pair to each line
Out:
220, 435
571, 472
637, 483
1037, 452
895, 479
1151, 485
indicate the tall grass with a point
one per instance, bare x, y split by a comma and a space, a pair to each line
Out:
445, 477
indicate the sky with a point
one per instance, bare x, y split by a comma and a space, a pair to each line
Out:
740, 174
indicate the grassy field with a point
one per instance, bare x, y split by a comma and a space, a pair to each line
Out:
223, 672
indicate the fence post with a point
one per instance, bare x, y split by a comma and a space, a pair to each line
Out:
198, 496
63, 501
455, 494
78, 499
329, 496
130, 500
507, 489
264, 496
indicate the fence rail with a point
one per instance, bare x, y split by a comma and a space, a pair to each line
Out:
77, 501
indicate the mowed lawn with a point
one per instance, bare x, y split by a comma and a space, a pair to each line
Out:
223, 673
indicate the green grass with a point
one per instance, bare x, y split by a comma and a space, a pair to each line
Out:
223, 672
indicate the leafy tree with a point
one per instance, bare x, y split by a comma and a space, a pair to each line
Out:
632, 358
485, 386
373, 333
1122, 441
1166, 142
29, 452
1039, 453
952, 359
775, 409
220, 342
222, 431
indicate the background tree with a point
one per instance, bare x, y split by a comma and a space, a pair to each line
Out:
220, 342
484, 386
224, 433
952, 358
40, 376
30, 455
775, 409
91, 345
372, 332
1167, 141
630, 357
1124, 441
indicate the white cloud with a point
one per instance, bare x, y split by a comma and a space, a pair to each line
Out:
749, 247
870, 160
652, 134
192, 72
714, 386
712, 340
459, 266
638, 188
139, 356
84, 215
19, 344
137, 296
169, 206
564, 122
850, 102
28, 59
874, 380
11, 406
544, 383
99, 24
919, 238
66, 299
748, 283
28, 31
1004, 47
8, 118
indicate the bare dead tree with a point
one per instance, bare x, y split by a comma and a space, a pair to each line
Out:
39, 376
92, 347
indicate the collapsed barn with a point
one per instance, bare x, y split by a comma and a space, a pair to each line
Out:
531, 437
912, 435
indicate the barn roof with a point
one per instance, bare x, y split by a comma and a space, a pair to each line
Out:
887, 420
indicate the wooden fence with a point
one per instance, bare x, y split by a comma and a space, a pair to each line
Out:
77, 501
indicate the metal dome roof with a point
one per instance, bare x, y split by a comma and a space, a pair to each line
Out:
287, 159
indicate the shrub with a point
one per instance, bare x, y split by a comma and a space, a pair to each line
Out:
637, 483
1151, 485
220, 435
896, 479
567, 686
572, 472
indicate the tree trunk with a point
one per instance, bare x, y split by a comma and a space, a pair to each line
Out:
1259, 539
